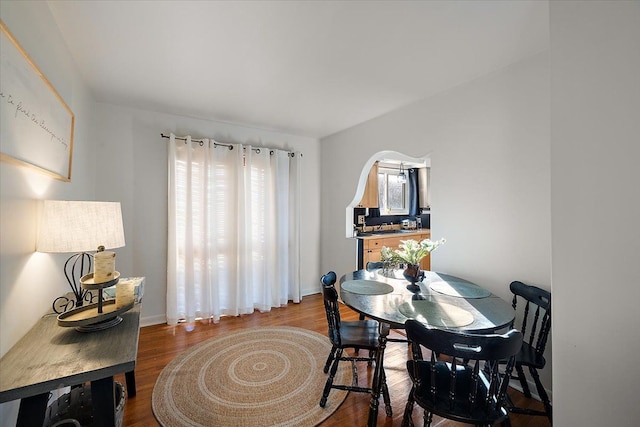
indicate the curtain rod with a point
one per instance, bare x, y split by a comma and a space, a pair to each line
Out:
230, 146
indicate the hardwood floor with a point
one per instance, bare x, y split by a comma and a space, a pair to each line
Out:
159, 344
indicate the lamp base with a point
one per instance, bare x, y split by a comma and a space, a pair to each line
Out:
89, 319
75, 267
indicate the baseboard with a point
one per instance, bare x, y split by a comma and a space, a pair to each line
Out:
515, 384
153, 320
310, 291
160, 319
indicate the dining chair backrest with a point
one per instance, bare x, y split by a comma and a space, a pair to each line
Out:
462, 380
374, 265
536, 325
329, 279
331, 307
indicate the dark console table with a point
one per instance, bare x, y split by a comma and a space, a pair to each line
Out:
50, 356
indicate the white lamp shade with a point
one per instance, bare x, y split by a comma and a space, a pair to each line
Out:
73, 226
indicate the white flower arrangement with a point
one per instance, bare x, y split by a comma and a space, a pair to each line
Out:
410, 252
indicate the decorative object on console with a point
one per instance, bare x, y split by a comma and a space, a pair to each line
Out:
80, 227
114, 298
134, 283
125, 294
104, 266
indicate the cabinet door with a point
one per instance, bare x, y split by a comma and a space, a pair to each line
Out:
373, 248
425, 263
370, 196
372, 255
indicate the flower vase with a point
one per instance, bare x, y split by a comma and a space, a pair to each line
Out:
413, 274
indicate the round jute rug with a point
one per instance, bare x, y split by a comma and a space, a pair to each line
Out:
268, 376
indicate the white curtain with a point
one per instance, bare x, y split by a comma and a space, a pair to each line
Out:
233, 238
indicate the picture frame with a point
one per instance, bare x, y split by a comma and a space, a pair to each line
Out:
36, 125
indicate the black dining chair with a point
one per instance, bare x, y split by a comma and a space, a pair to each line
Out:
360, 334
535, 326
461, 380
372, 266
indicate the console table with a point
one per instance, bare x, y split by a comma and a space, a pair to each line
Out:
49, 357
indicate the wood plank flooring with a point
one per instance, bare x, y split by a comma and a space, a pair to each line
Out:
159, 344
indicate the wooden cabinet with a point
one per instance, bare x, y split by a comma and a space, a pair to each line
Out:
372, 246
370, 196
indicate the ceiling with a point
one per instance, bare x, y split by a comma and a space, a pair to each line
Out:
304, 67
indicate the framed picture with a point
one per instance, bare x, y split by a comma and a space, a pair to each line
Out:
36, 127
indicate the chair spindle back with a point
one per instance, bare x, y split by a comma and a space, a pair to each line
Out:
331, 307
474, 387
535, 299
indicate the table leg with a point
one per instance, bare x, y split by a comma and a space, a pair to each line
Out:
378, 376
32, 410
103, 402
130, 378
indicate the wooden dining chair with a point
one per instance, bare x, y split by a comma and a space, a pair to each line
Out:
535, 326
463, 383
360, 334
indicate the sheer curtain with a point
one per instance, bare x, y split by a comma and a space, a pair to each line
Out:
233, 238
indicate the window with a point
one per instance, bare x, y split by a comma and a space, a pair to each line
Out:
392, 193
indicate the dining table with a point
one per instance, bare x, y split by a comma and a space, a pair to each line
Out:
439, 301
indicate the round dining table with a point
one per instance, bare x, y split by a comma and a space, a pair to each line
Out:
439, 301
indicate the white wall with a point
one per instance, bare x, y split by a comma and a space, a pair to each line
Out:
118, 155
595, 128
30, 281
133, 170
489, 147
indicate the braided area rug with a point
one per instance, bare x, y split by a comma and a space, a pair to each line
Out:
268, 376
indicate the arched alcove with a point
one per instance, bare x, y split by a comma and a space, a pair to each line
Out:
387, 156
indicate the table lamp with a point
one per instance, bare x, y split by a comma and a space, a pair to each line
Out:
79, 227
